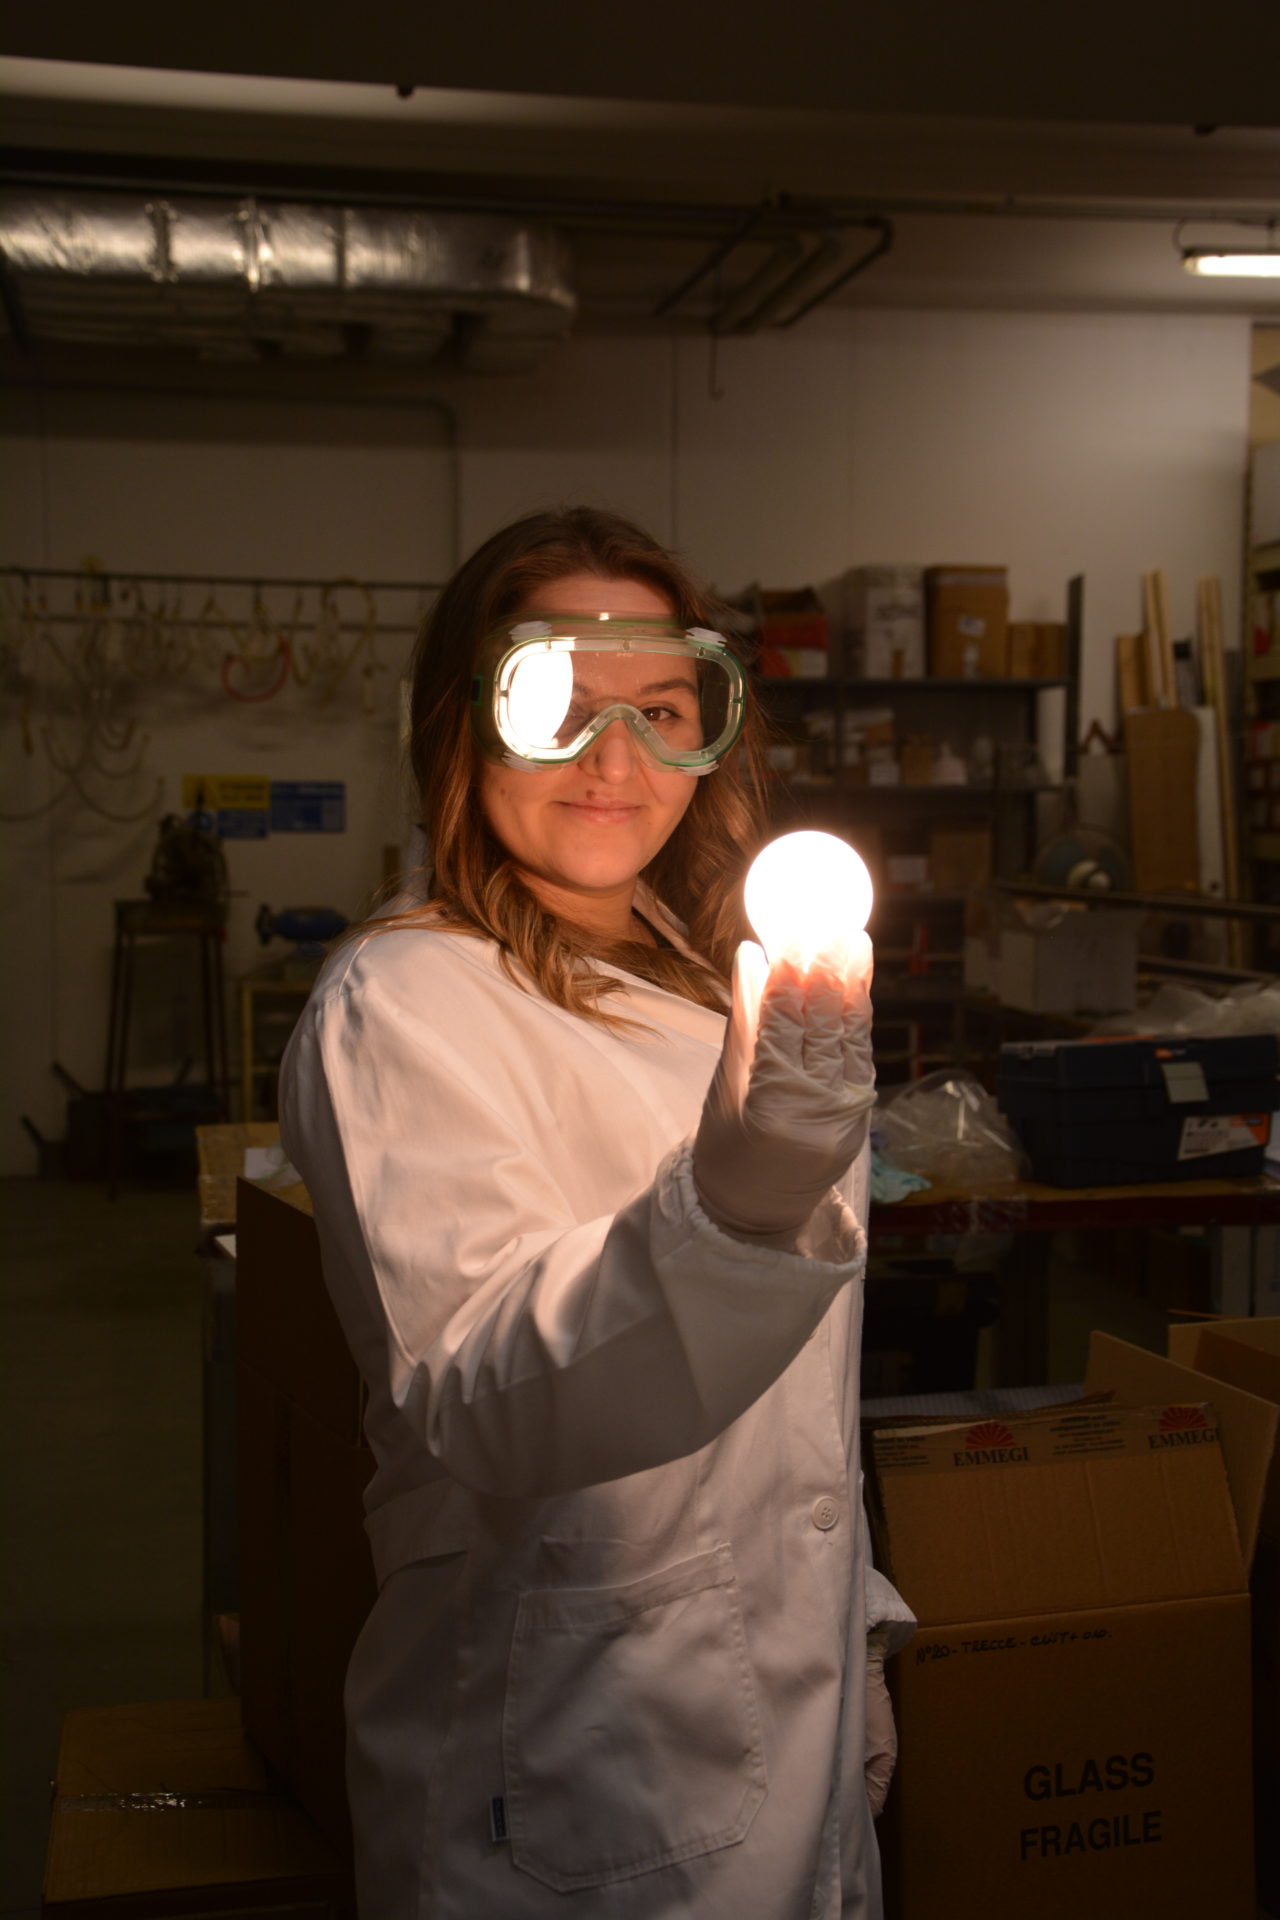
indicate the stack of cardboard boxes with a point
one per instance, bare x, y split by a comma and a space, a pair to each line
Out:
943, 622
1074, 1712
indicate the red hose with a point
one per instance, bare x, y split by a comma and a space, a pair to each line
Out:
229, 660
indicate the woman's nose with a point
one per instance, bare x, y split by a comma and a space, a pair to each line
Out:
612, 754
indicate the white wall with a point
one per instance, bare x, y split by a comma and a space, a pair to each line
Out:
1054, 444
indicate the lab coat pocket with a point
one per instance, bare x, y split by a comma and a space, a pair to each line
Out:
631, 1737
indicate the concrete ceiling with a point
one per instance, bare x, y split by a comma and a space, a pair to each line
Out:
1156, 62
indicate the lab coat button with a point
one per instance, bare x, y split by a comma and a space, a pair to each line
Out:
825, 1513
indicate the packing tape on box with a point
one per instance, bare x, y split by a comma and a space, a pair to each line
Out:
218, 1800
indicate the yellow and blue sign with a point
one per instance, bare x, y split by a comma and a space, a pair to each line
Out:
249, 806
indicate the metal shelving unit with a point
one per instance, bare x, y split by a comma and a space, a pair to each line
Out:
919, 933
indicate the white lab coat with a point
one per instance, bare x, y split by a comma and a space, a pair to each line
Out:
617, 1662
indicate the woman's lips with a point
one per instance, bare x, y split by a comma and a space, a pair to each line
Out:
605, 812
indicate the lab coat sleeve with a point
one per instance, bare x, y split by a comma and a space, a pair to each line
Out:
535, 1350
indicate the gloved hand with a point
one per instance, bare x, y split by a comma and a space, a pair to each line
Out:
882, 1735
786, 1113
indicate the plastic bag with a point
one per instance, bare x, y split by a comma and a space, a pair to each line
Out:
1176, 1009
948, 1128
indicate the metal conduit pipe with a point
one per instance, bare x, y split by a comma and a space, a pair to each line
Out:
295, 237
302, 275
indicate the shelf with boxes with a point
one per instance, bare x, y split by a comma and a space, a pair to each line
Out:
890, 775
927, 732
914, 678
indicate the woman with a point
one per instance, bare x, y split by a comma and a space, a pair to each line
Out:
603, 1294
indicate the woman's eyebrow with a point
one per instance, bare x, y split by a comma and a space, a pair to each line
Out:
686, 682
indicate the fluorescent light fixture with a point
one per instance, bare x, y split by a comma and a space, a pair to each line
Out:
1254, 263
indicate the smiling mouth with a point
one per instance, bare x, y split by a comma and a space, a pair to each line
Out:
608, 809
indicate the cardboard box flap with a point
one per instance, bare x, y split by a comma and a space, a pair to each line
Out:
1245, 1353
1096, 1507
1263, 1333
165, 1808
1248, 1424
1244, 1363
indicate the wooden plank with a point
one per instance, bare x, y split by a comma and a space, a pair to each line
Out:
1213, 877
1209, 603
1131, 677
1162, 750
1164, 633
1152, 656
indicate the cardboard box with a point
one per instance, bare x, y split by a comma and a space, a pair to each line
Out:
916, 758
982, 961
1051, 649
1037, 649
164, 1809
1085, 962
1024, 646
1073, 1713
1162, 753
306, 1575
884, 619
1246, 1353
907, 873
220, 1152
968, 622
864, 727
794, 663
794, 632
960, 858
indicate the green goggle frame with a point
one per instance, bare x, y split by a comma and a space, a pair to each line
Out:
523, 696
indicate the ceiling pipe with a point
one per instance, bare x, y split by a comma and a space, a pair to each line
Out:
307, 275
879, 247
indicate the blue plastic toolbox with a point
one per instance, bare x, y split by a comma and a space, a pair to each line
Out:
1114, 1112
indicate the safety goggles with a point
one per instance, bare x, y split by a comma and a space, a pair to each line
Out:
546, 688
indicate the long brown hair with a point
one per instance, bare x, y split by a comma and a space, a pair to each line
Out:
472, 884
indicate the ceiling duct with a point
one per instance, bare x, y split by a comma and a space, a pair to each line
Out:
247, 278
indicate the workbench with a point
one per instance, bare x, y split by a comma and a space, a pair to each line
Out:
1235, 1212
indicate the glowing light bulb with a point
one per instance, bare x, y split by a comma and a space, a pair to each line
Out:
807, 893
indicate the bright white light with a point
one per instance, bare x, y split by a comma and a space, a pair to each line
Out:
539, 695
1252, 266
807, 893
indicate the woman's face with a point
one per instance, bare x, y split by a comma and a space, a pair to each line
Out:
581, 833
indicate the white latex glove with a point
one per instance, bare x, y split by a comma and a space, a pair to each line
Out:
882, 1734
786, 1113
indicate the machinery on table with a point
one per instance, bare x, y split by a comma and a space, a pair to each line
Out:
149, 1128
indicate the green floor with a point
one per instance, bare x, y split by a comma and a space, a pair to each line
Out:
100, 1345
